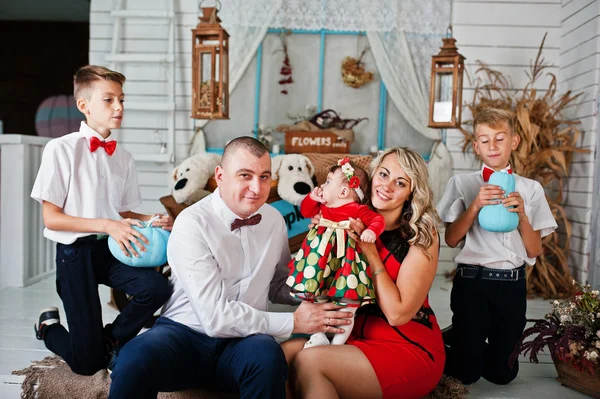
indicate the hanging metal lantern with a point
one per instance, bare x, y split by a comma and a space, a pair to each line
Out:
445, 101
210, 68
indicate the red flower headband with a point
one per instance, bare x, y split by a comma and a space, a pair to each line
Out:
353, 181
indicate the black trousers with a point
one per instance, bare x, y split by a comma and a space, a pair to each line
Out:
80, 268
485, 309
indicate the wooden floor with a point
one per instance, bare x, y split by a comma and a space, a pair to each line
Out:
19, 310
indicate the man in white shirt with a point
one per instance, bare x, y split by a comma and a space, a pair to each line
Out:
229, 255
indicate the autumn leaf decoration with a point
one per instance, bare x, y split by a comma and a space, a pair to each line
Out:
286, 68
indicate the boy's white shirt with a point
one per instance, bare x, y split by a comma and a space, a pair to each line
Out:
485, 248
85, 184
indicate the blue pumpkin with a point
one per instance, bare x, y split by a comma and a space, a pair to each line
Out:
156, 250
496, 218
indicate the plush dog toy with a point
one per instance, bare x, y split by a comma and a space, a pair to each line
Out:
294, 173
190, 177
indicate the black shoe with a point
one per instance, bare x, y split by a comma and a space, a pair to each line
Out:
112, 351
48, 316
448, 335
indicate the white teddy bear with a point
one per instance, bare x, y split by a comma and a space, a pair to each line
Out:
190, 177
295, 173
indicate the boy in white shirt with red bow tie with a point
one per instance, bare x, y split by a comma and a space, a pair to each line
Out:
488, 297
87, 186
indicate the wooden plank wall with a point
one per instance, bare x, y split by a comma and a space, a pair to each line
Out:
579, 72
142, 132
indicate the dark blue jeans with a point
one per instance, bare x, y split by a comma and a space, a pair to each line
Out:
172, 357
80, 268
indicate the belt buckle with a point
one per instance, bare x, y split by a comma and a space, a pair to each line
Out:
461, 272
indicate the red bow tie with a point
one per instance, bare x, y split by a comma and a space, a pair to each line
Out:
237, 223
487, 172
109, 146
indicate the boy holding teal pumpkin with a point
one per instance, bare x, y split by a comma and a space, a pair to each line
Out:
87, 186
488, 298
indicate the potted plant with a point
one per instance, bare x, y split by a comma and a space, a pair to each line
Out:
571, 331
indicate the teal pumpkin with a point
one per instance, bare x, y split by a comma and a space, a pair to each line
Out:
496, 218
156, 250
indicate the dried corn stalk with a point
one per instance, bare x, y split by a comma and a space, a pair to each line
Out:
548, 143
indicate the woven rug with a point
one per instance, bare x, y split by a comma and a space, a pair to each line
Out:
55, 380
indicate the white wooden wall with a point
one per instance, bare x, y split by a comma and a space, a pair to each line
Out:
579, 72
142, 132
505, 35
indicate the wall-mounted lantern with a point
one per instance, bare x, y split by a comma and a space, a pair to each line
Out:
210, 68
445, 101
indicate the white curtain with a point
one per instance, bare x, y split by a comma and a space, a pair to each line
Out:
403, 58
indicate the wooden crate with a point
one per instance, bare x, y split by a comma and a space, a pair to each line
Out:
317, 141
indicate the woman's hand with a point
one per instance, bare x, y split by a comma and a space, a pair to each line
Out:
358, 227
314, 221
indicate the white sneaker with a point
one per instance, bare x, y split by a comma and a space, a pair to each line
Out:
317, 339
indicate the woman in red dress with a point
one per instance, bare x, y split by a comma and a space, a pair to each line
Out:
396, 348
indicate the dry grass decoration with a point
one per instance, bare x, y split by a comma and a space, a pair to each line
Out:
354, 73
548, 143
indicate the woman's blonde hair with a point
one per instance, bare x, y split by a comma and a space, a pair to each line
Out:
418, 220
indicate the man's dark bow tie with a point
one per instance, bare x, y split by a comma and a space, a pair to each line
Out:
251, 221
487, 172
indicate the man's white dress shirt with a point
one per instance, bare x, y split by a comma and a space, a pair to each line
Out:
489, 249
223, 279
83, 183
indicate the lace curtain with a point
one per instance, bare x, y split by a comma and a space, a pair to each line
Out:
403, 58
348, 15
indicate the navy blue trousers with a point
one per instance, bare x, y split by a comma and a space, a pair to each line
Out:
172, 357
485, 309
80, 268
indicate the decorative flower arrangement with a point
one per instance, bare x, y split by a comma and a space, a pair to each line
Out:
571, 331
354, 73
265, 135
286, 68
